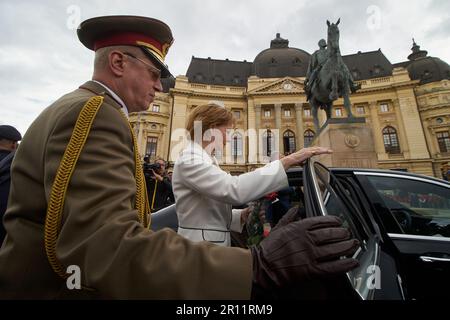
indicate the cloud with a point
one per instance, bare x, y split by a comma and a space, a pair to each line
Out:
41, 57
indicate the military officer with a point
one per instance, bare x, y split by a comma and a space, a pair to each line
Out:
78, 200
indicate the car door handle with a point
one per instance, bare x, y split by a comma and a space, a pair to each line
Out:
433, 259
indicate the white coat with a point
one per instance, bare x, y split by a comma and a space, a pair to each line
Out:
204, 194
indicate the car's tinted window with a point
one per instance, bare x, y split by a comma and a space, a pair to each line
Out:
332, 195
420, 208
334, 204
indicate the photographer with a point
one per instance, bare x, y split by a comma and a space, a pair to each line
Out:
159, 187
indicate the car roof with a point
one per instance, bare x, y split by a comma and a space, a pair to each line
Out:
381, 171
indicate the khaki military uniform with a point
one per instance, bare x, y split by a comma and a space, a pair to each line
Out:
100, 230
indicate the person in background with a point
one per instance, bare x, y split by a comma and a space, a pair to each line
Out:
169, 174
9, 137
159, 186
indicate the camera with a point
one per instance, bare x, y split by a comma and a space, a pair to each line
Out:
148, 167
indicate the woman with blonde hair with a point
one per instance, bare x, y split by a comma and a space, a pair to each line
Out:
205, 194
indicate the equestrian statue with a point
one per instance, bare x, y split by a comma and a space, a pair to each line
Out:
328, 77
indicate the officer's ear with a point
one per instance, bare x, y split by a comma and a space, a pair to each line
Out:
117, 62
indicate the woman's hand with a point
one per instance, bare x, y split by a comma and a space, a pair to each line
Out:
301, 156
245, 213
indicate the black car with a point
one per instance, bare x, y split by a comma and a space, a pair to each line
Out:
402, 221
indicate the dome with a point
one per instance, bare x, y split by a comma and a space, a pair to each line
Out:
168, 83
426, 69
281, 61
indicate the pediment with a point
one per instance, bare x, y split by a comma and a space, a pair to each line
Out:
285, 85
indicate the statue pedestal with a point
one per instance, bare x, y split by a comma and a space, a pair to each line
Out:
351, 141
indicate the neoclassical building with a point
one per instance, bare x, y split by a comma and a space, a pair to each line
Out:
407, 106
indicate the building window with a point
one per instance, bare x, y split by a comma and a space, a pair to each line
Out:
152, 145
439, 120
289, 142
307, 112
308, 137
218, 78
390, 140
296, 62
237, 114
198, 77
155, 108
443, 141
236, 146
267, 143
384, 107
287, 113
360, 110
338, 112
377, 69
267, 113
426, 75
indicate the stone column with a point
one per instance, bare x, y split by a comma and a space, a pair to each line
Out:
140, 143
278, 126
401, 134
299, 125
377, 131
160, 150
257, 127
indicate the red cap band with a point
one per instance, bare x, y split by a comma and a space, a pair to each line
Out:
128, 38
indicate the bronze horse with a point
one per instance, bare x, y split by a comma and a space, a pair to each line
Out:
333, 79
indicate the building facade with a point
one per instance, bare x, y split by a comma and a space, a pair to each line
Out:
407, 106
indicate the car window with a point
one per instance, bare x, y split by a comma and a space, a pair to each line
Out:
334, 204
336, 201
420, 208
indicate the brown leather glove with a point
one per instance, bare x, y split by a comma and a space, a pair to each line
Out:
290, 216
302, 250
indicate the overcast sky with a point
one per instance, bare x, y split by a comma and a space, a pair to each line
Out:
41, 58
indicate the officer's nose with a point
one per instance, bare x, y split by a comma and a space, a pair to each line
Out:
158, 85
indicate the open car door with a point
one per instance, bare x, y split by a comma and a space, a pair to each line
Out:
326, 195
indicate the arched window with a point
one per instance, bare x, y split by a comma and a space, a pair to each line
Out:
377, 69
390, 140
152, 146
198, 77
355, 73
236, 146
308, 137
288, 142
443, 141
218, 78
267, 143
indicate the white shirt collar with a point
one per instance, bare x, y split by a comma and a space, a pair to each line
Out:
115, 96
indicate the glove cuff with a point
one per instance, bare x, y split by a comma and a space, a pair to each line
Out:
262, 285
